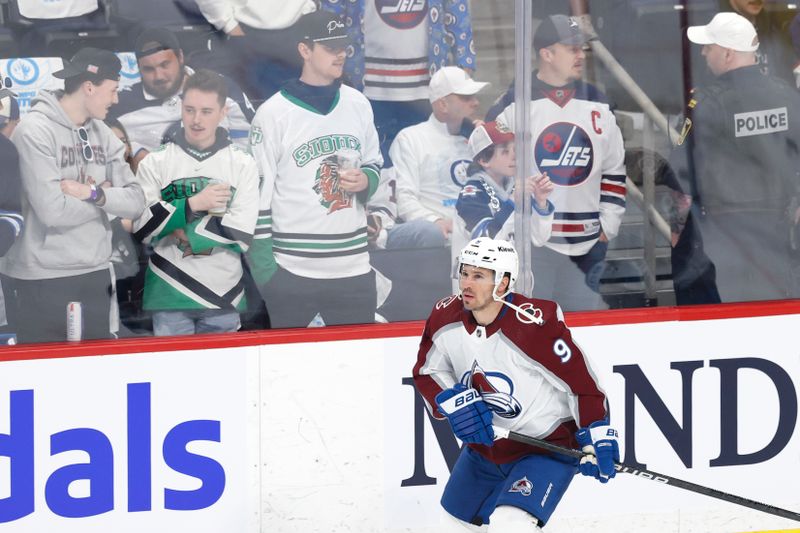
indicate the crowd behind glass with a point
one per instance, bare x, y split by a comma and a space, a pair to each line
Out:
297, 163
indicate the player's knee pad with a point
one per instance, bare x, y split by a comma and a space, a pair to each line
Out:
451, 524
509, 519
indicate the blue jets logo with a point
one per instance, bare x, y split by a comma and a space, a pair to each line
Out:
402, 14
23, 71
496, 389
458, 172
565, 152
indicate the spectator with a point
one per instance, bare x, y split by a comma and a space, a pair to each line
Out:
260, 51
67, 154
317, 151
431, 160
11, 221
578, 144
150, 110
774, 55
739, 159
202, 193
395, 53
485, 206
119, 131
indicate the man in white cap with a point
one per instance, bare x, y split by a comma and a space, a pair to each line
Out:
430, 162
738, 156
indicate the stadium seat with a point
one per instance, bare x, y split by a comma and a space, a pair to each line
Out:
189, 25
41, 35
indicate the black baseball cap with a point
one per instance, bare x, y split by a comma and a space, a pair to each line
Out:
558, 29
153, 40
323, 27
101, 63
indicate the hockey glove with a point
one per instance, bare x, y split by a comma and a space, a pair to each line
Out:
599, 443
468, 414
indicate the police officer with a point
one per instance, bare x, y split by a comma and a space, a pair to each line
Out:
738, 156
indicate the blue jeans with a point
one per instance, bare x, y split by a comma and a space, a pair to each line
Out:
415, 234
196, 321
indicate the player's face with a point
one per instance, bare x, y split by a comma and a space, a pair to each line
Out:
566, 61
323, 64
100, 98
747, 8
503, 162
162, 73
201, 113
477, 285
716, 58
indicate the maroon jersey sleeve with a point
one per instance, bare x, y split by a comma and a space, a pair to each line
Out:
553, 347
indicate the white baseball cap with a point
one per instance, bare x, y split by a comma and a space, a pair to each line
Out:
453, 80
486, 135
728, 30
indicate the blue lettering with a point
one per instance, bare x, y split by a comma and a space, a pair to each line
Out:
139, 438
207, 470
99, 471
17, 445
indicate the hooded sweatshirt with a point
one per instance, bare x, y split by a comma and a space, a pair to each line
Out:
64, 236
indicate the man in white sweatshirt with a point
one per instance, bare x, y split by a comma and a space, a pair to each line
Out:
431, 160
262, 40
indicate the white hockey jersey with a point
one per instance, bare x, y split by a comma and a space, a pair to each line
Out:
578, 143
534, 378
430, 168
313, 228
206, 274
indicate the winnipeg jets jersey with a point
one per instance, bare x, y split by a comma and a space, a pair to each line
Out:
578, 143
202, 270
534, 378
431, 168
312, 227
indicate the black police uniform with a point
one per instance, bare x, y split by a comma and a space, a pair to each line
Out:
739, 159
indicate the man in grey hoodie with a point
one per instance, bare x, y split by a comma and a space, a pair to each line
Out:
74, 176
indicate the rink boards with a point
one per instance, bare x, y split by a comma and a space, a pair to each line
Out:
322, 431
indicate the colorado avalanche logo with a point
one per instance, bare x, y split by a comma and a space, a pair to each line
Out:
523, 486
565, 152
496, 389
326, 185
402, 14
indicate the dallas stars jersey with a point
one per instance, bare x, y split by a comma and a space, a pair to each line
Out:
202, 270
578, 143
535, 379
313, 228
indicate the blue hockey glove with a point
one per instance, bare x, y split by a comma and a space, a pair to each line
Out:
468, 414
599, 442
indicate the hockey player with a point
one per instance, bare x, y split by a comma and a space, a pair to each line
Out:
202, 193
491, 356
317, 152
578, 143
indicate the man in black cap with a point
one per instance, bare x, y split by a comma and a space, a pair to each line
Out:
578, 144
150, 110
318, 154
74, 178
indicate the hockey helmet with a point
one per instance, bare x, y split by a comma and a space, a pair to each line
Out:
494, 254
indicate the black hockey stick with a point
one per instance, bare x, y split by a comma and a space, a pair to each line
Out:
622, 468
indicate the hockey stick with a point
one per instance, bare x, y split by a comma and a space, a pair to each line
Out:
622, 468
